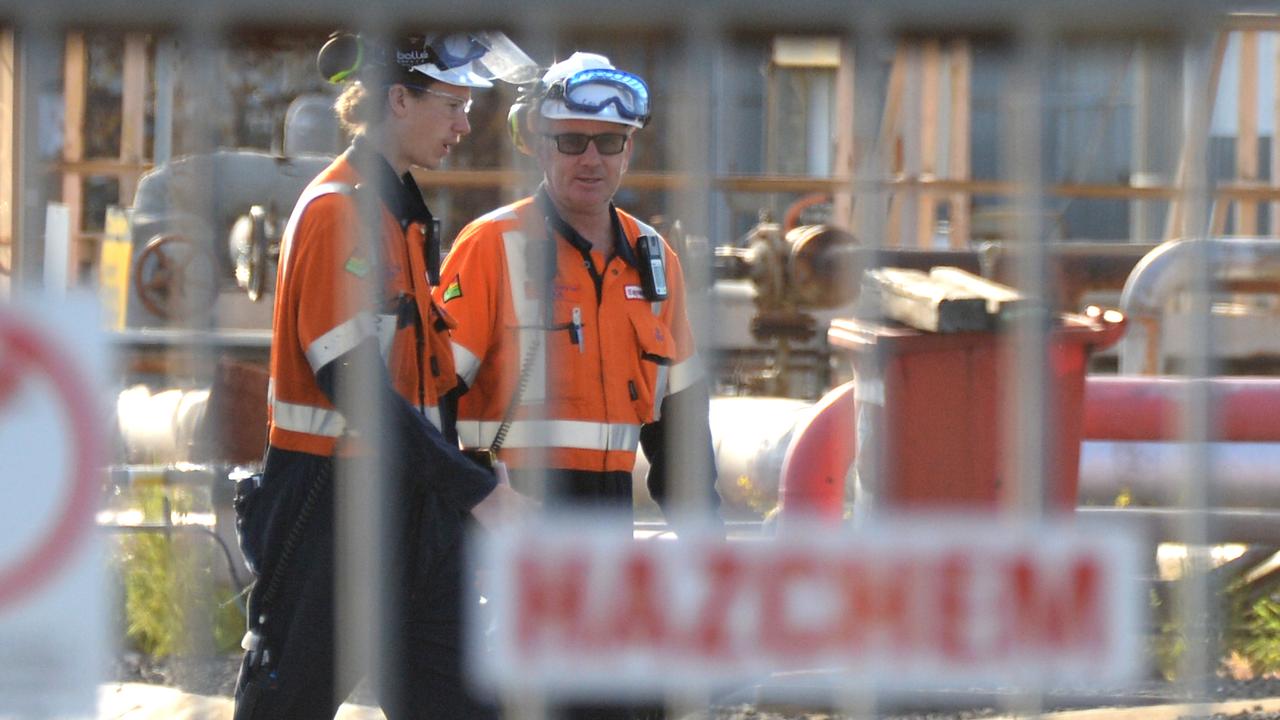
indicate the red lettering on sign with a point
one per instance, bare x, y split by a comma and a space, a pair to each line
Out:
551, 598
782, 631
724, 584
954, 614
893, 589
1054, 611
637, 612
922, 608
857, 597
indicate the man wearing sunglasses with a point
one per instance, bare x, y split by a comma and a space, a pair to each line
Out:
354, 314
572, 331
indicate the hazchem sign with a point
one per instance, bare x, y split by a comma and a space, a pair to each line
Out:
52, 597
577, 608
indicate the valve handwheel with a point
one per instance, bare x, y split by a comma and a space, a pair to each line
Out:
175, 277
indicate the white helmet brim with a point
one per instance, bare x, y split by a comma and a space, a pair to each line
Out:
462, 76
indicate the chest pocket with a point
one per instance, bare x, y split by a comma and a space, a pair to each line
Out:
390, 319
571, 371
393, 317
439, 350
657, 350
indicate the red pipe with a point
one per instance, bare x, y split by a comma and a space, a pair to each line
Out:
819, 456
1138, 407
1127, 407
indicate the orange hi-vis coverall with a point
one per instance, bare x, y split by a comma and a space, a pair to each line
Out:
603, 365
352, 294
322, 312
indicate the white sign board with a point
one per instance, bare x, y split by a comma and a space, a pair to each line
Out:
52, 597
575, 608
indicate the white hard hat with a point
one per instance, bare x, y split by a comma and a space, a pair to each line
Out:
451, 59
464, 59
586, 86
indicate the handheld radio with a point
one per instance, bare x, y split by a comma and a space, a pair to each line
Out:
653, 267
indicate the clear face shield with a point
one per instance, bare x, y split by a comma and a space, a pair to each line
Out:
476, 60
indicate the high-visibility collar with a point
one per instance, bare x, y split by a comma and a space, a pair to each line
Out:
621, 246
400, 194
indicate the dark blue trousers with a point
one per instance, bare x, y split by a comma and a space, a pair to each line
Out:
292, 673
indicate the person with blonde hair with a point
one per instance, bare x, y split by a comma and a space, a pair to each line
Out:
357, 264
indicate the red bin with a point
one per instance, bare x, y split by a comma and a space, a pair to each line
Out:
933, 405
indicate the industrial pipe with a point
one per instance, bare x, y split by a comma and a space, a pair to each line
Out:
1128, 407
818, 459
1242, 474
1164, 273
751, 436
1131, 445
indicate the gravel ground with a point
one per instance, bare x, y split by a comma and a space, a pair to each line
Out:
217, 675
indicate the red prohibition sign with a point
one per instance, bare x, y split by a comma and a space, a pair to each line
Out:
26, 353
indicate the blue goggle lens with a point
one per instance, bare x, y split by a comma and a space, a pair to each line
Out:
457, 50
630, 99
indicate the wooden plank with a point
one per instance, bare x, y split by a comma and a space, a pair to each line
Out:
1275, 140
888, 140
101, 166
1247, 135
640, 180
1218, 211
909, 142
913, 298
1001, 300
75, 81
930, 83
846, 146
133, 107
958, 166
1173, 224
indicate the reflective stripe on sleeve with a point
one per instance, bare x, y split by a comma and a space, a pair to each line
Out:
307, 419
576, 434
684, 374
465, 363
660, 391
325, 421
385, 327
340, 340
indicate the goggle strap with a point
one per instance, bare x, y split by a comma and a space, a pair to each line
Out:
557, 92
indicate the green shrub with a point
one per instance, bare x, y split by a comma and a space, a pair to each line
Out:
1258, 640
173, 604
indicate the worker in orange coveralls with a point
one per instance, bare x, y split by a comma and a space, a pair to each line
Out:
572, 337
353, 290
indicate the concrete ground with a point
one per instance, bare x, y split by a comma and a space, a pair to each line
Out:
139, 701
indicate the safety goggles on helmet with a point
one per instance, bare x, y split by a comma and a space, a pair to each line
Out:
463, 59
596, 91
576, 143
453, 51
452, 59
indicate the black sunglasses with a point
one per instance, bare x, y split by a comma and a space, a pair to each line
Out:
576, 143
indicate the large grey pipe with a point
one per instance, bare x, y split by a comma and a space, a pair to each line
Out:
1166, 272
1243, 474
